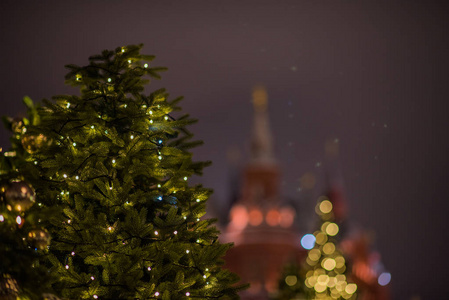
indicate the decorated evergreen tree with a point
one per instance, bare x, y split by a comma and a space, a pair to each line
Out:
116, 162
24, 239
324, 271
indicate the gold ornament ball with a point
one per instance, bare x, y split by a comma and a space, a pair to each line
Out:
19, 195
33, 143
9, 290
39, 238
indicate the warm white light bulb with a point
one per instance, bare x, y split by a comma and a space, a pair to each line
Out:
19, 220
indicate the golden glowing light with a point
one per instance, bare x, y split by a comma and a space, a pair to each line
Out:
325, 206
332, 229
329, 248
323, 279
255, 217
320, 287
328, 264
314, 254
321, 238
340, 261
291, 280
351, 288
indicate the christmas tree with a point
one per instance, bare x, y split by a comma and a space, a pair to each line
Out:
324, 271
24, 239
116, 162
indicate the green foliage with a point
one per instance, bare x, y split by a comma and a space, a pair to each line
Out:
115, 162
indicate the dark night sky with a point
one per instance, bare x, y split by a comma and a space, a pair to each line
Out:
373, 74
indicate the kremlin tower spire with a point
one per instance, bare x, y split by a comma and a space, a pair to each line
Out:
261, 142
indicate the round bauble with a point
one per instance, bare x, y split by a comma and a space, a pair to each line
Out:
39, 238
33, 143
19, 195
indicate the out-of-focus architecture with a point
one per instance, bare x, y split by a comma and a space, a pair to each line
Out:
261, 226
264, 229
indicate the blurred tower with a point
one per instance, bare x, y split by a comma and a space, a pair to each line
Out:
260, 226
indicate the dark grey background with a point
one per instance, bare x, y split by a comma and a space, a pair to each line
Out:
373, 74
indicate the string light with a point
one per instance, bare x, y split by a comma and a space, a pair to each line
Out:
132, 136
91, 277
149, 269
92, 127
160, 198
68, 105
129, 61
95, 296
187, 251
151, 112
145, 65
198, 200
204, 276
158, 185
73, 253
19, 220
2, 218
187, 294
113, 161
69, 221
109, 79
160, 157
151, 121
156, 294
165, 118
156, 233
175, 232
185, 178
35, 162
109, 228
77, 177
65, 175
74, 144
67, 267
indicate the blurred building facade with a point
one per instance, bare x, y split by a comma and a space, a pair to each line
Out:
264, 228
260, 225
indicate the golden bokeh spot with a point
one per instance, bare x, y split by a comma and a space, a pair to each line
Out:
328, 264
314, 254
351, 288
329, 248
340, 261
323, 279
291, 280
320, 287
332, 282
332, 229
340, 278
255, 217
325, 206
321, 238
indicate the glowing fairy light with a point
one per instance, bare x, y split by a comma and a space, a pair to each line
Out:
159, 157
187, 294
113, 161
73, 253
77, 177
185, 178
156, 233
18, 220
66, 267
92, 127
198, 200
165, 118
91, 277
95, 296
156, 294
158, 185
2, 218
65, 175
132, 136
187, 251
109, 79
149, 268
145, 65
